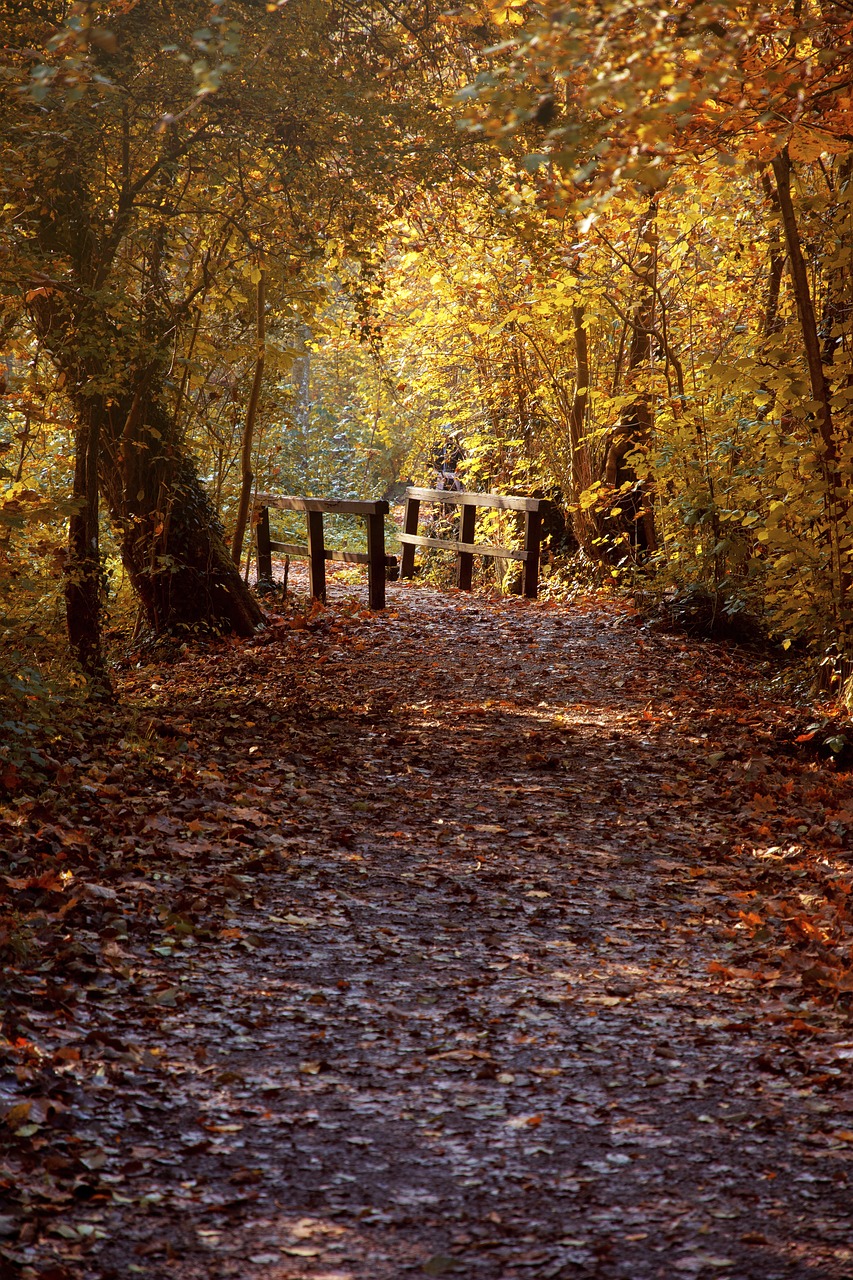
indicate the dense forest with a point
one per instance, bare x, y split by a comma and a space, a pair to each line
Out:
419, 929
604, 250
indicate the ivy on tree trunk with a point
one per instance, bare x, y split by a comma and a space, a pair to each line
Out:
173, 547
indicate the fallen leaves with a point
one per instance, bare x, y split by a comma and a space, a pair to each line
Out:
387, 966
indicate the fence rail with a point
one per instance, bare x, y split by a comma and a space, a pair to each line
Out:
465, 546
315, 551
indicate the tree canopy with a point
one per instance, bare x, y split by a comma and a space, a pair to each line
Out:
481, 935
607, 246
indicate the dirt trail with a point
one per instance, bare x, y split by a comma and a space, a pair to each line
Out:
473, 861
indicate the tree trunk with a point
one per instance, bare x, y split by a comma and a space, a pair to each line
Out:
838, 303
635, 423
173, 547
247, 476
772, 318
83, 580
583, 522
805, 308
837, 502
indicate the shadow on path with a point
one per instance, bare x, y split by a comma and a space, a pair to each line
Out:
460, 1018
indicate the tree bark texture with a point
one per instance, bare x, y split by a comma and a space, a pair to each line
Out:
635, 424
173, 547
772, 318
837, 500
246, 475
172, 544
805, 307
83, 575
585, 528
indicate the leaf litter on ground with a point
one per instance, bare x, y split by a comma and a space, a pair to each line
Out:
476, 937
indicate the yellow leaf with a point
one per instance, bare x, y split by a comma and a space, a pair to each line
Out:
809, 144
17, 1114
507, 11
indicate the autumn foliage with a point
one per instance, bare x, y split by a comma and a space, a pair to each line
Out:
607, 249
479, 934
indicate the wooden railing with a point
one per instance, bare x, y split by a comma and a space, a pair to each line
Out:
316, 551
464, 545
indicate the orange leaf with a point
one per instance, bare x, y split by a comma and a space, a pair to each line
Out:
797, 1025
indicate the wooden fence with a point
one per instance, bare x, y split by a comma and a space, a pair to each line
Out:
464, 545
316, 551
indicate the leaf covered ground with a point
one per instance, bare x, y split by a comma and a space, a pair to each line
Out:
480, 938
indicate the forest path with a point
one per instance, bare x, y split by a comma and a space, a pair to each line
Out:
473, 1002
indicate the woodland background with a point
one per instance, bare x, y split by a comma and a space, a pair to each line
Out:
301, 246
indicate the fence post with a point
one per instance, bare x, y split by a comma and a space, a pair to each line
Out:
376, 561
316, 555
465, 559
262, 537
532, 539
410, 525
